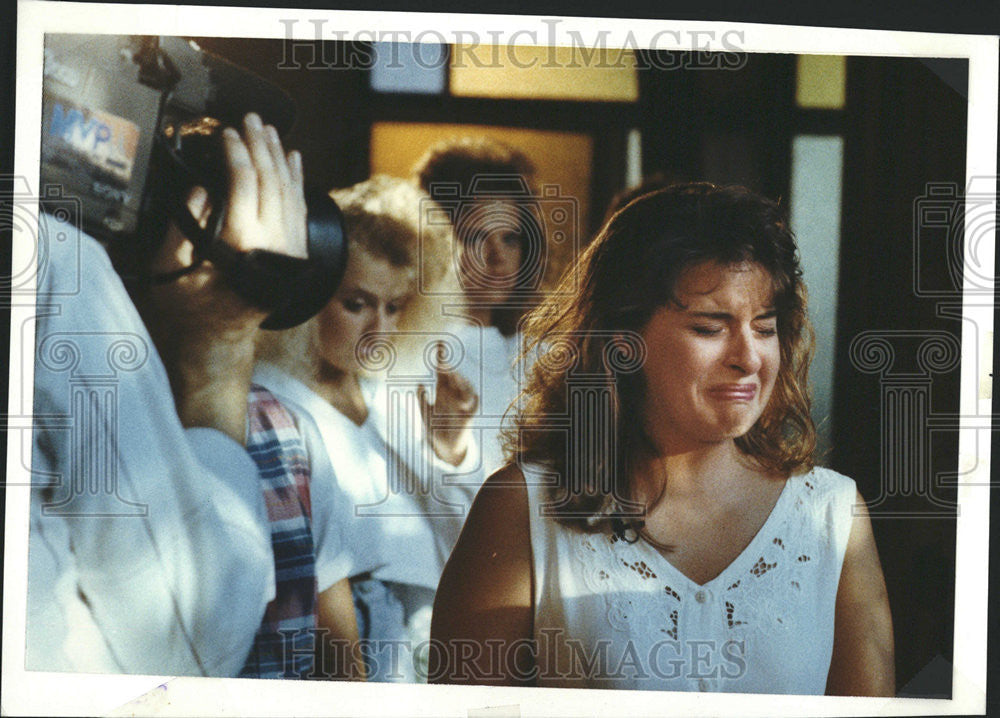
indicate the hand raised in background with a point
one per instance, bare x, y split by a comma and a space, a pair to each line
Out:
455, 403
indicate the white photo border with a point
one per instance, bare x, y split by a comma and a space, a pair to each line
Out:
27, 693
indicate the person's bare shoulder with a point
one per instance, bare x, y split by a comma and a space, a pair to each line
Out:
485, 591
495, 544
863, 648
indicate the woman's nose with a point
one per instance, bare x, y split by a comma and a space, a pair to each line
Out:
744, 352
492, 250
383, 321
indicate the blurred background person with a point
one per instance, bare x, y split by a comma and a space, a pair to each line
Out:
488, 187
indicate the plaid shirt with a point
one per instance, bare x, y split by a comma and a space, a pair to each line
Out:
283, 646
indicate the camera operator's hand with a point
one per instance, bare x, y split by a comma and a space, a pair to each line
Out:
266, 206
203, 330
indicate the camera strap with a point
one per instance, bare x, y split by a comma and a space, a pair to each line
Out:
262, 278
292, 289
198, 235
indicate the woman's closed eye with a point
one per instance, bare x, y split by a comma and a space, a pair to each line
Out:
354, 304
707, 330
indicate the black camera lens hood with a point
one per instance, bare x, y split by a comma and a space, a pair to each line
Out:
317, 282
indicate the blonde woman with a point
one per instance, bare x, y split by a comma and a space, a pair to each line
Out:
404, 507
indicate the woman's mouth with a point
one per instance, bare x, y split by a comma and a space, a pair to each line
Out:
734, 392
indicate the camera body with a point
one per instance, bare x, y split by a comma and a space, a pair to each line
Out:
112, 106
507, 203
97, 131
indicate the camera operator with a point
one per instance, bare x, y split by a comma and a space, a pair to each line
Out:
169, 568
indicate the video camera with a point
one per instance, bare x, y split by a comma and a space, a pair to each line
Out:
130, 124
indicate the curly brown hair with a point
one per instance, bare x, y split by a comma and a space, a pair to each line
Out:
589, 328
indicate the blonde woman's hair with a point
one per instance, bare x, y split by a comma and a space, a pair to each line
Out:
387, 218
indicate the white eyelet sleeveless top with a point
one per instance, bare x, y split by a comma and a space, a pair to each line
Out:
614, 614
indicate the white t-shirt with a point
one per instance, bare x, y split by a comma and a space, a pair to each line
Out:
149, 547
405, 507
488, 363
614, 614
